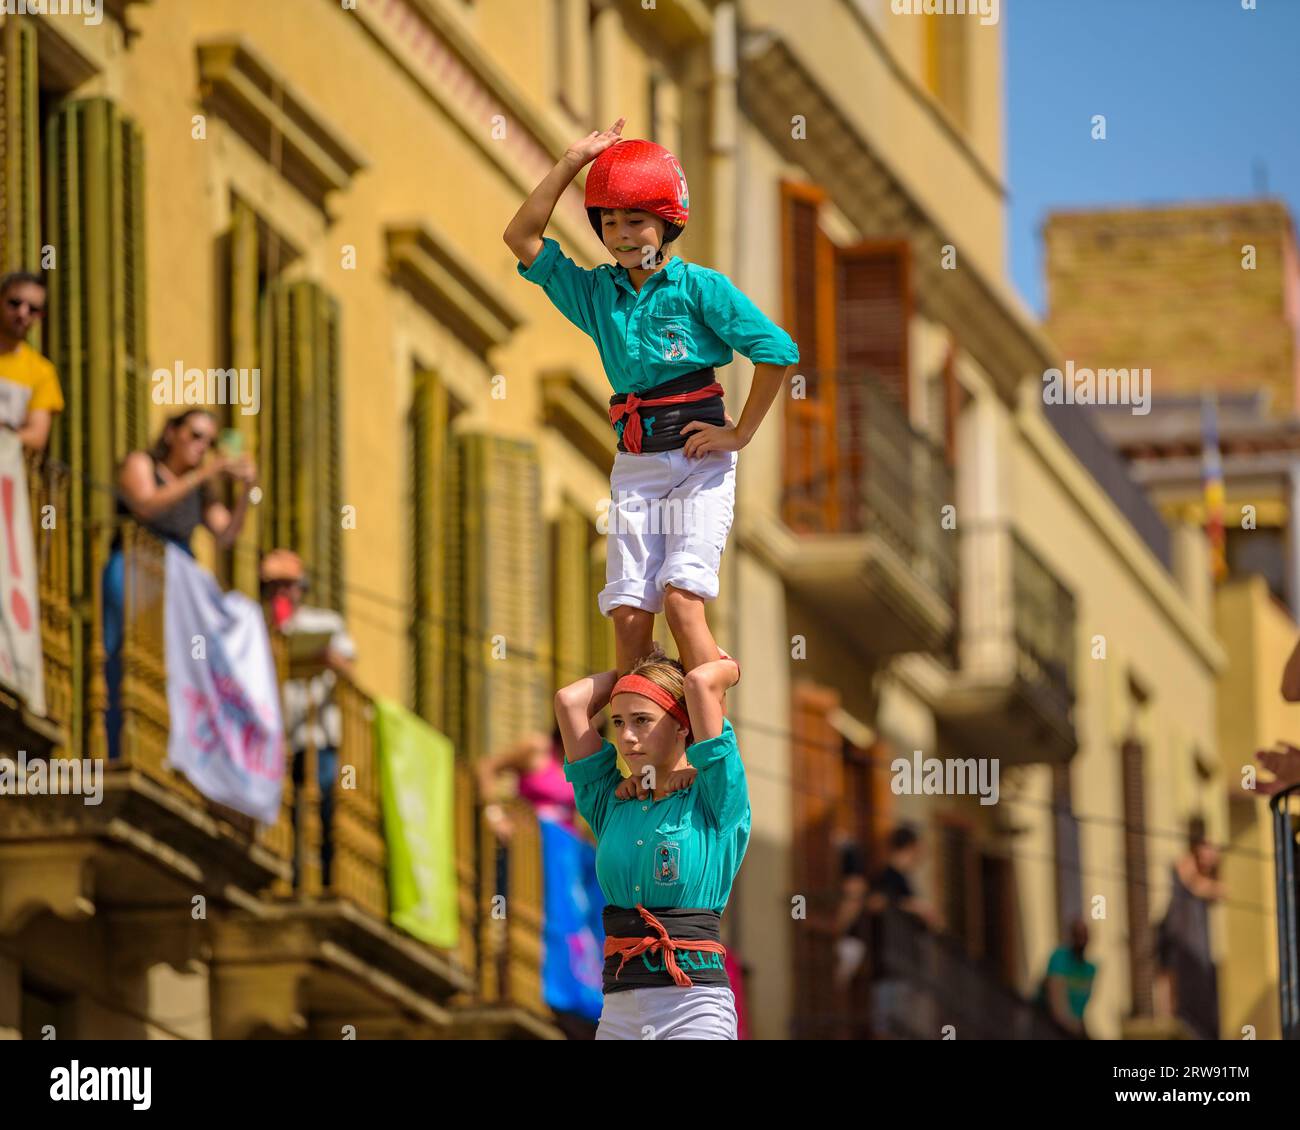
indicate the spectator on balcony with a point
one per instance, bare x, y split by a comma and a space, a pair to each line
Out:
538, 764
1067, 984
1187, 981
29, 386
169, 491
318, 638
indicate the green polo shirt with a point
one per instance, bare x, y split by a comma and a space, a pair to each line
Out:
681, 851
685, 317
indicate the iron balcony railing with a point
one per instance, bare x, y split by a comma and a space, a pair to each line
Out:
926, 982
1286, 828
854, 464
1021, 618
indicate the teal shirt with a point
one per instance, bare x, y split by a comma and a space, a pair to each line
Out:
1078, 975
686, 317
681, 851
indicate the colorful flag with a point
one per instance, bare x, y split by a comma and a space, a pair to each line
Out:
572, 932
226, 735
22, 666
1212, 478
417, 777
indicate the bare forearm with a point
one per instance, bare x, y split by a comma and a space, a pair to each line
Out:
762, 392
525, 230
1291, 676
165, 497
227, 537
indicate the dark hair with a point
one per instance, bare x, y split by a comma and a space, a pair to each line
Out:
13, 278
903, 837
162, 445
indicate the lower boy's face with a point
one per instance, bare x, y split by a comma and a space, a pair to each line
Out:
632, 237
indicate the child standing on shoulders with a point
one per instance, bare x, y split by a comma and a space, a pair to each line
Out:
662, 326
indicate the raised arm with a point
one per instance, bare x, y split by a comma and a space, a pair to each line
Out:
523, 235
705, 686
575, 707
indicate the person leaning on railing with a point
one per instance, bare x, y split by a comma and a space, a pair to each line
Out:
320, 644
29, 386
169, 491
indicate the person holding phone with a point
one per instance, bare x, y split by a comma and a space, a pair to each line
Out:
169, 490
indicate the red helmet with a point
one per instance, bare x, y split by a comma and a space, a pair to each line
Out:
641, 175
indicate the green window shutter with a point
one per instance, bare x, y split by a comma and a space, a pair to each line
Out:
600, 628
19, 147
570, 596
506, 674
301, 445
242, 262
430, 506
96, 329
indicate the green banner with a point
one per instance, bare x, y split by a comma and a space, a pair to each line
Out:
418, 786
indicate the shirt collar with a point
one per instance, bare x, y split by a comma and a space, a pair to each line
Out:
673, 269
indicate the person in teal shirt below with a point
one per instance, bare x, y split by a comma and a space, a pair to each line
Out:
666, 860
1068, 983
661, 326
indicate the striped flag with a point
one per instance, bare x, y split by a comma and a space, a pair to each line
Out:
1212, 480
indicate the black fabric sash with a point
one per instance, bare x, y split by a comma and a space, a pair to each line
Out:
664, 432
685, 923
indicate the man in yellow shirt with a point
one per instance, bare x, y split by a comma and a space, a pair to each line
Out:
29, 386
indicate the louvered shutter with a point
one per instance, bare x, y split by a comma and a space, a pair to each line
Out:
600, 628
1136, 881
432, 513
506, 676
19, 148
810, 499
570, 596
96, 330
243, 305
873, 309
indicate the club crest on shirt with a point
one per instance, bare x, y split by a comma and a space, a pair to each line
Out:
668, 857
674, 348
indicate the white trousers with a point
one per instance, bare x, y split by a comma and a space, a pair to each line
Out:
668, 523
701, 1012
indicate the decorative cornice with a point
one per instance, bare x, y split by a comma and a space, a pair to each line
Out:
444, 281
571, 409
275, 120
478, 97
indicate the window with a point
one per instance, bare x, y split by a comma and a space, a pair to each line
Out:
1260, 552
574, 57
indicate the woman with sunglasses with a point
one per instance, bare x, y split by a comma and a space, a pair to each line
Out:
169, 491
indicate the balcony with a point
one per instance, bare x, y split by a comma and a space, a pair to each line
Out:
942, 986
860, 538
284, 958
1013, 698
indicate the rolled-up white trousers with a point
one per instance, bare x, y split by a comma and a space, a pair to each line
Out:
700, 1012
668, 525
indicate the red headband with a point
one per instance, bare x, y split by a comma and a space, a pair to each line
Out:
639, 684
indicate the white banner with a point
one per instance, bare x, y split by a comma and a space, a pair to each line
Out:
226, 734
22, 666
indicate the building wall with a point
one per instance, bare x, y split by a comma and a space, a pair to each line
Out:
1118, 295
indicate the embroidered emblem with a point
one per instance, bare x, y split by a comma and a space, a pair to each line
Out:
674, 349
668, 855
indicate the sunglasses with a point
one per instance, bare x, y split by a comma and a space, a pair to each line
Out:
206, 437
19, 303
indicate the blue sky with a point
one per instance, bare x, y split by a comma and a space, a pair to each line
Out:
1196, 94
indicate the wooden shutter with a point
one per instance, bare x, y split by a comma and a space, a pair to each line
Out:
810, 502
431, 513
96, 330
300, 442
1069, 878
570, 595
1141, 971
19, 147
244, 294
960, 883
600, 631
873, 309
817, 763
506, 675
